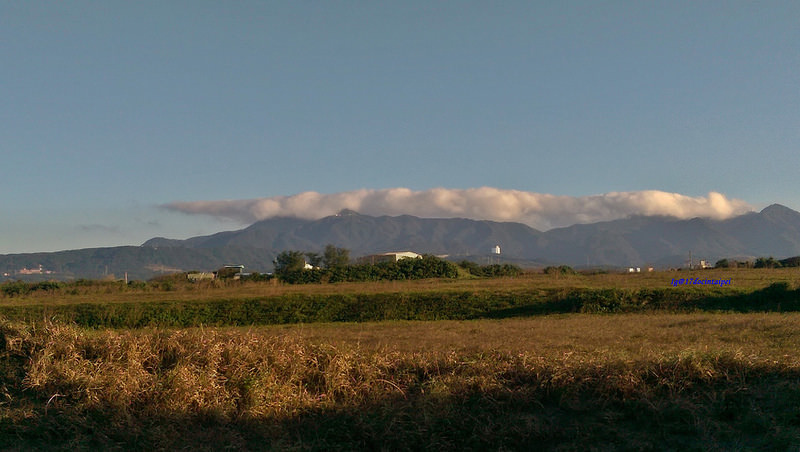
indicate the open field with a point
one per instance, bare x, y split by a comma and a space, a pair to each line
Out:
574, 382
620, 336
180, 290
178, 303
579, 362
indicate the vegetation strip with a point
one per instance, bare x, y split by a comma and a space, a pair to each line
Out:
432, 305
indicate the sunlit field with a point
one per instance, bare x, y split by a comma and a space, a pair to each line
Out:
638, 375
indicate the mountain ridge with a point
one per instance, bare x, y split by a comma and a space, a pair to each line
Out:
661, 241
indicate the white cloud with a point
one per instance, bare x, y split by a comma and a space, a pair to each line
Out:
539, 210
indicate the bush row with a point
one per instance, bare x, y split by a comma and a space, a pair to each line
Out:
16, 288
309, 308
490, 271
21, 288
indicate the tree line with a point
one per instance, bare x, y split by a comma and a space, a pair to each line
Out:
333, 265
761, 262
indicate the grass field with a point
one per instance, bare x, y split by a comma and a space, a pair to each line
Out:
177, 303
179, 290
654, 379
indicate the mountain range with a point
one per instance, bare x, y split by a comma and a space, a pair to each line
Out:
635, 241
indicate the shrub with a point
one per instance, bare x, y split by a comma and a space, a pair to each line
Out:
47, 286
560, 270
722, 263
490, 271
16, 288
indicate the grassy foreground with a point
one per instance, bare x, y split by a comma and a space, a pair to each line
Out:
564, 382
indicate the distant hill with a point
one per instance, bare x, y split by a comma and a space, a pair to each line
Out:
139, 262
363, 234
634, 241
667, 241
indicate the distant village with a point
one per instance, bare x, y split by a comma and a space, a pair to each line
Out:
238, 271
24, 271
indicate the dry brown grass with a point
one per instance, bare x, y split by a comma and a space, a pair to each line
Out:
564, 382
554, 382
634, 336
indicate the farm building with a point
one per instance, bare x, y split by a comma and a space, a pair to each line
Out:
198, 276
228, 271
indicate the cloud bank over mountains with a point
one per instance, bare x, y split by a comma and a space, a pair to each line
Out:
539, 210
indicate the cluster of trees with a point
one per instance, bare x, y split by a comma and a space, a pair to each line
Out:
294, 261
297, 267
333, 265
767, 262
761, 262
11, 289
731, 263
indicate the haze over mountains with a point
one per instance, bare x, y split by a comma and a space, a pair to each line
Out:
635, 241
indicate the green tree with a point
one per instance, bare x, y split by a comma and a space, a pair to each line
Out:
334, 257
722, 263
289, 261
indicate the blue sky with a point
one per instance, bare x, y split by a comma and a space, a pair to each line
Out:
111, 110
